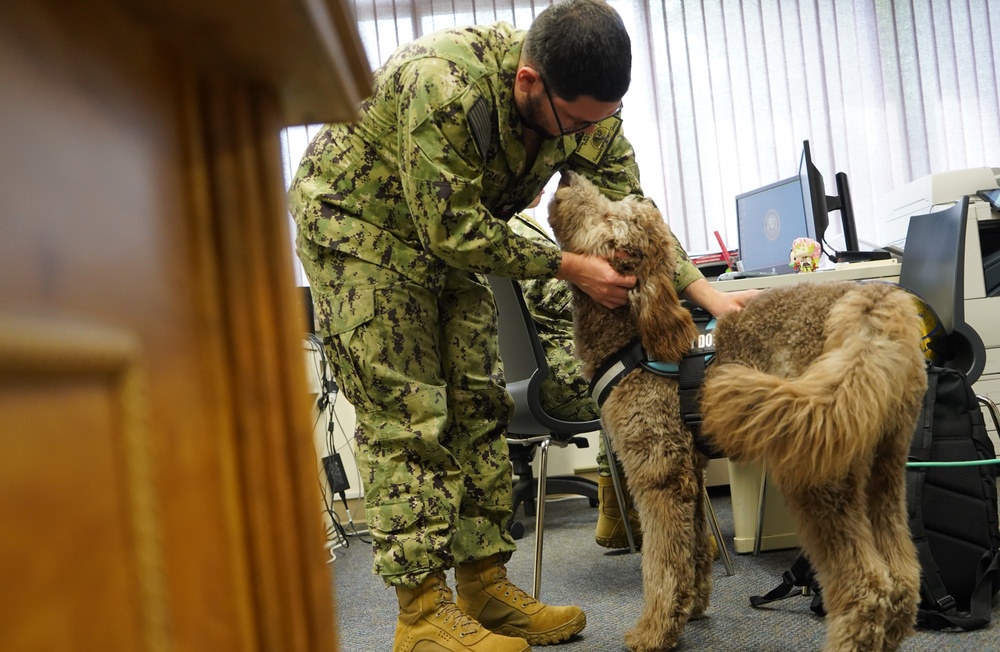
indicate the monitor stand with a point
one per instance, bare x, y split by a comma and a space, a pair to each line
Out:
861, 256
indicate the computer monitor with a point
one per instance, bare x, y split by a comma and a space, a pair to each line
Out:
818, 206
768, 220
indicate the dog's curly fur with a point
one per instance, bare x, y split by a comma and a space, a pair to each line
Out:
823, 382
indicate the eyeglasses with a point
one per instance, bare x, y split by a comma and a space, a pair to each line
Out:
578, 125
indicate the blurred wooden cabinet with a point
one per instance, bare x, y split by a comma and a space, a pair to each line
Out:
157, 477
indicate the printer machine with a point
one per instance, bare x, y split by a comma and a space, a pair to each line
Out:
982, 253
936, 192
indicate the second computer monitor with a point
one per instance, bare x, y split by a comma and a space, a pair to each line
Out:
768, 220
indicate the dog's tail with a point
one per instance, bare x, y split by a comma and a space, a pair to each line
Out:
867, 381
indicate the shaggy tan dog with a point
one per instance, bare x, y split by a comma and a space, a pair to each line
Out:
823, 382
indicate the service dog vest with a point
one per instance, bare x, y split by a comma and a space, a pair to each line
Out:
689, 372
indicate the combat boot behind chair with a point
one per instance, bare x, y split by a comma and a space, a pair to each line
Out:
610, 531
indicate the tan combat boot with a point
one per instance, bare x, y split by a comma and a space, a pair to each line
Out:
429, 621
485, 593
610, 531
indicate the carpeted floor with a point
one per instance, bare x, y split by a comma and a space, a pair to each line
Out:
607, 584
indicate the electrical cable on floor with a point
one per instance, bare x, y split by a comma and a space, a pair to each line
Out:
325, 405
335, 529
350, 521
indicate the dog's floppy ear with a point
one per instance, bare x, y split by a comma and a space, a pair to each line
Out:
666, 327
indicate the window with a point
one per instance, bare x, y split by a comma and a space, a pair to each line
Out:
723, 93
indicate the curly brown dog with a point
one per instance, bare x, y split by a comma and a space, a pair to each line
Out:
823, 382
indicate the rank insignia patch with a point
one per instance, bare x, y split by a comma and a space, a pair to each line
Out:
593, 145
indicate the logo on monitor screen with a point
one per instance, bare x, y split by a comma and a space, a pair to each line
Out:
772, 224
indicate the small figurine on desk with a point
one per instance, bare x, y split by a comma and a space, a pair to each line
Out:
805, 255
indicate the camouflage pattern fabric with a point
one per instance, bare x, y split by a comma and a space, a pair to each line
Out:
430, 419
397, 214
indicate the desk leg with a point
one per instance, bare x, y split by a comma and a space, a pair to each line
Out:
761, 499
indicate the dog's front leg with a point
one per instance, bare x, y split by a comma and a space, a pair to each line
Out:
667, 511
703, 557
642, 417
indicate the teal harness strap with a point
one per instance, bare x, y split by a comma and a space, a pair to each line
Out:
662, 368
689, 373
703, 346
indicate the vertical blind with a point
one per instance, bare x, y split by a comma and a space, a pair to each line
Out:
724, 92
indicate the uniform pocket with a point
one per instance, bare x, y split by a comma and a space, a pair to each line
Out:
345, 317
392, 518
401, 542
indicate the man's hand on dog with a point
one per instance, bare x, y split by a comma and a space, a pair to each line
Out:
597, 278
715, 301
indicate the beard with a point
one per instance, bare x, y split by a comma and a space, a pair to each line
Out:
530, 112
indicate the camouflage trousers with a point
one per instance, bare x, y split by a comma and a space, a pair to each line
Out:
419, 363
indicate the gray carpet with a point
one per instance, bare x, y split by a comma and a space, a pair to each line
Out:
607, 584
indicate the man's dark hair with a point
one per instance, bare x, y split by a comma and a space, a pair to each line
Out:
581, 48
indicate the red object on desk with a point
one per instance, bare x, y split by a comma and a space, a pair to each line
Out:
708, 259
725, 252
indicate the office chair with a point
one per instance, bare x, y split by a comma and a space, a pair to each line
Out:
532, 427
933, 268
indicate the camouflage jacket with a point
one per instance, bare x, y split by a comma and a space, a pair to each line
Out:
429, 175
549, 300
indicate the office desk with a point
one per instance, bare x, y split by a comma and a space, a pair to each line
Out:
887, 270
744, 479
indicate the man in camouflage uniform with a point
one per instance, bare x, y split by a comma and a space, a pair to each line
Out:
399, 215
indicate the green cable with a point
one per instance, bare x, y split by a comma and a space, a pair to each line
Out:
965, 463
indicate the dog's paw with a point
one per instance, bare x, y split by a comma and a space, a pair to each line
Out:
639, 640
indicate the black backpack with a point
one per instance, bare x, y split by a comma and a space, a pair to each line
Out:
952, 504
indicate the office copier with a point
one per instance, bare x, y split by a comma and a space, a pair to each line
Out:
982, 250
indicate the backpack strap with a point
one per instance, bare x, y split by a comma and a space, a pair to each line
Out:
923, 436
980, 604
799, 575
932, 588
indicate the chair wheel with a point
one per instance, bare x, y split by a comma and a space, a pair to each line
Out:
516, 529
